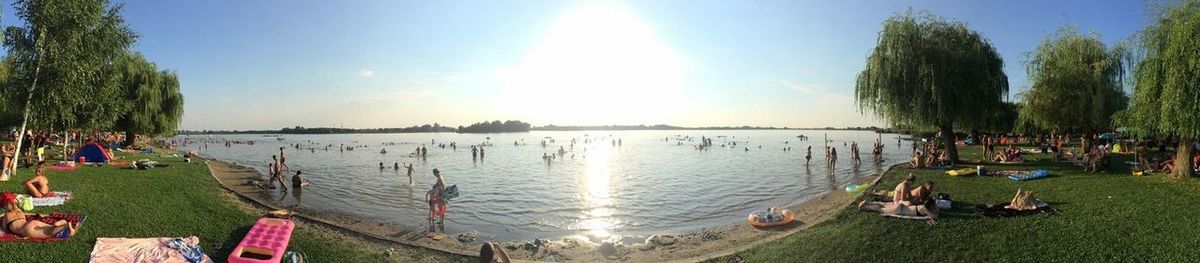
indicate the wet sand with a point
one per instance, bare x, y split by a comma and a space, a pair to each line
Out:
664, 247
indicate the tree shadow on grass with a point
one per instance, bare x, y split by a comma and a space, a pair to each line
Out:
222, 249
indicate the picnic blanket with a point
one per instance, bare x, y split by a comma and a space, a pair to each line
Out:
49, 219
1001, 211
59, 198
157, 249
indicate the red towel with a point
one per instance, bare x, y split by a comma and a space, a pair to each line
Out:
49, 219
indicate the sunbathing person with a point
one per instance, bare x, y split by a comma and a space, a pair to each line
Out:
930, 214
15, 223
1023, 201
901, 192
39, 185
916, 161
920, 195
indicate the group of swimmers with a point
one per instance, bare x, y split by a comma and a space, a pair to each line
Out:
396, 166
276, 169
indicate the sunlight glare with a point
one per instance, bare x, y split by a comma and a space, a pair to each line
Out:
598, 64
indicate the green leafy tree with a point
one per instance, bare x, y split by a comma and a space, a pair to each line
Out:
155, 105
1166, 89
1077, 83
928, 72
60, 52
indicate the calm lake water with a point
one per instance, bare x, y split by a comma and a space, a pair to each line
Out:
652, 182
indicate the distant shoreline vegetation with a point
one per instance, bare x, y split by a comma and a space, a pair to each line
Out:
507, 127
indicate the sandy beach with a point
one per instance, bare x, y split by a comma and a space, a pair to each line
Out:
664, 247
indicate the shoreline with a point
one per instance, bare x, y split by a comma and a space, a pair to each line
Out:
691, 246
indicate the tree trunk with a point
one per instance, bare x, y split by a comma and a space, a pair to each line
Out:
24, 121
66, 140
25, 118
1183, 159
948, 139
130, 139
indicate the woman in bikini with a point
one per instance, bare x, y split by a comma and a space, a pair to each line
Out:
39, 185
16, 224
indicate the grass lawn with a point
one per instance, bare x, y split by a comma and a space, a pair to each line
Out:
1103, 217
179, 200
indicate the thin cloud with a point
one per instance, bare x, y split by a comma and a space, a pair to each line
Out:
366, 73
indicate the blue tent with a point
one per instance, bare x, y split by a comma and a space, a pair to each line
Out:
93, 152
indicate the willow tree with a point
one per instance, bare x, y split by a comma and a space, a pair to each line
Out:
1077, 83
60, 51
155, 105
928, 72
1166, 93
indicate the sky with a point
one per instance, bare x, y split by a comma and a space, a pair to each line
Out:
367, 64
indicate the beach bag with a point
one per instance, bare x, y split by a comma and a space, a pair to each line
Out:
25, 202
943, 201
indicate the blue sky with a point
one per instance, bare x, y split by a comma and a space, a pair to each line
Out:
273, 64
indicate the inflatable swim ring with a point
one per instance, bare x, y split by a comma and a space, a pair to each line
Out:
964, 171
759, 218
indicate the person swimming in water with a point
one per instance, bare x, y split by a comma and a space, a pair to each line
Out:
298, 182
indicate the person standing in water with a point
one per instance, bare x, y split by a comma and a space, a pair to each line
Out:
409, 166
832, 156
278, 172
480, 152
474, 152
282, 162
808, 156
437, 205
854, 152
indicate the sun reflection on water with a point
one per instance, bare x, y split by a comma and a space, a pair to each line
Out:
599, 207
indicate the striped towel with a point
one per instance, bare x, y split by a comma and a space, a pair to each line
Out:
59, 198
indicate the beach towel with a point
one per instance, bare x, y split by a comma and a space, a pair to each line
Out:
59, 198
157, 249
1029, 175
907, 217
63, 167
48, 219
1001, 211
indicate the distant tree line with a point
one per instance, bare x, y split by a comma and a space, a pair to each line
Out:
495, 127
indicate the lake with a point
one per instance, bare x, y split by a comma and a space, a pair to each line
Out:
609, 185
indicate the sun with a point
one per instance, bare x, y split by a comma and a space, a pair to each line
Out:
597, 64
